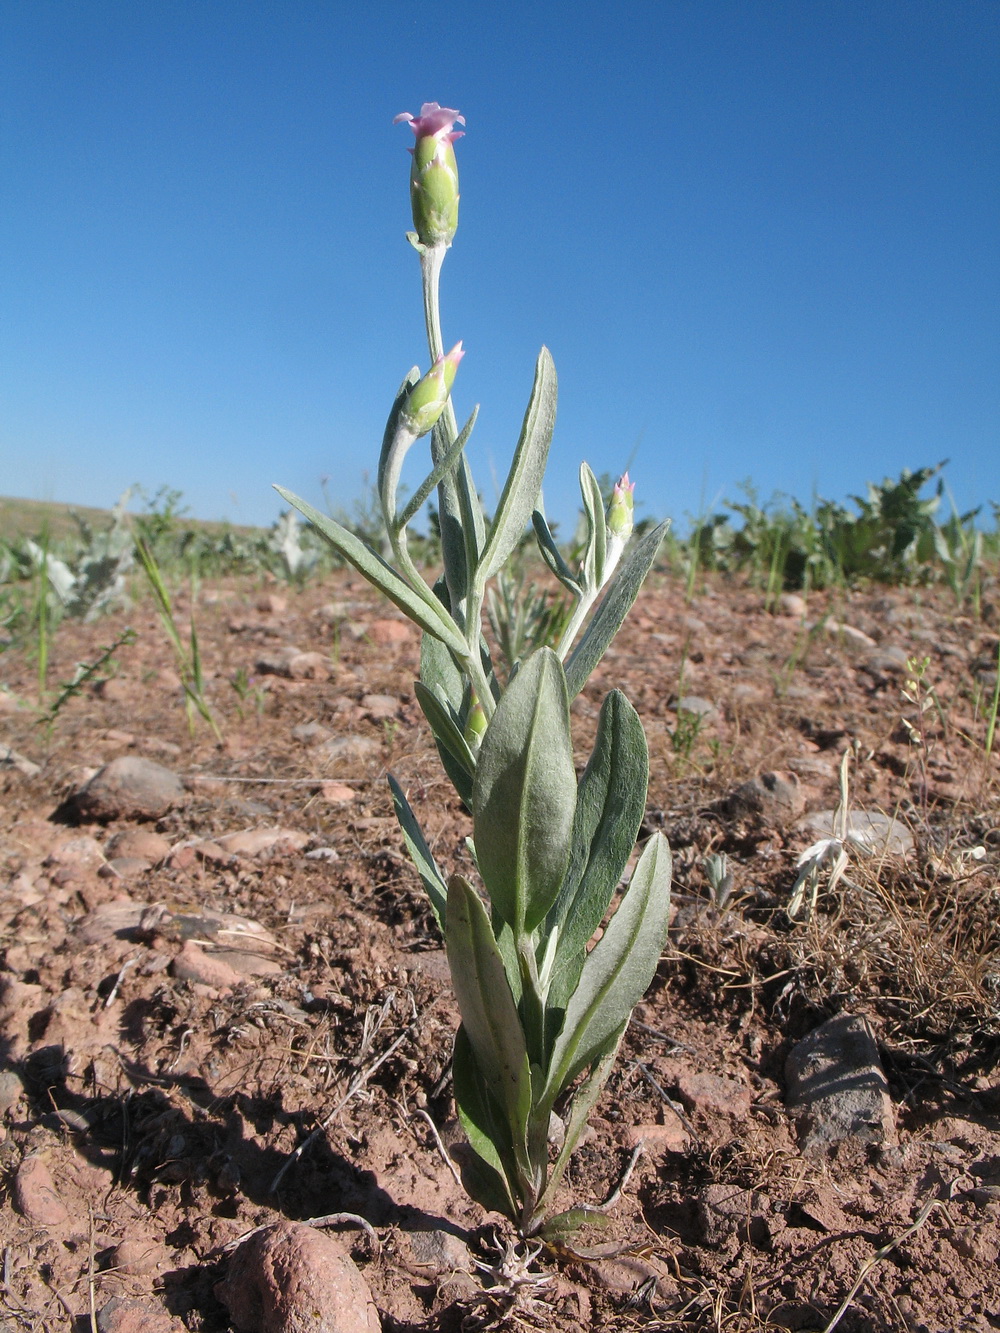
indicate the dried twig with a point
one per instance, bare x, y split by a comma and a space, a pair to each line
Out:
440, 1146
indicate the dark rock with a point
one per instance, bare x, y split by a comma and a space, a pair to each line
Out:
129, 788
837, 1087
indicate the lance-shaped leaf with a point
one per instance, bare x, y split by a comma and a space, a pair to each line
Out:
524, 481
617, 970
524, 795
596, 553
420, 853
426, 612
441, 469
551, 554
392, 427
610, 803
492, 1168
486, 1005
456, 755
614, 607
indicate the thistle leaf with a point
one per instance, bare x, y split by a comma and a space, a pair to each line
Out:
617, 971
524, 795
614, 607
524, 481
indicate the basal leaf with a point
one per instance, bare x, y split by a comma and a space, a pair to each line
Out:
524, 481
425, 612
524, 794
488, 1175
618, 969
614, 607
487, 1005
420, 853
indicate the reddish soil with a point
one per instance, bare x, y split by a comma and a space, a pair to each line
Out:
160, 1067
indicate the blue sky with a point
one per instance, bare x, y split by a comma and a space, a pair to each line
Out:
760, 238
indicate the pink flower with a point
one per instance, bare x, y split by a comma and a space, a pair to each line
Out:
434, 175
434, 121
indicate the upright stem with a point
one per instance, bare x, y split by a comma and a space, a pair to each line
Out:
467, 604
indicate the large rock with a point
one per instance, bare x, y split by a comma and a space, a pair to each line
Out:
837, 1088
776, 799
129, 788
291, 1278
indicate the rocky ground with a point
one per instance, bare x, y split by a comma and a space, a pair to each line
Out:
224, 1008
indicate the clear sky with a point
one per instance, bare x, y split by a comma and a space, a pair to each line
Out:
760, 238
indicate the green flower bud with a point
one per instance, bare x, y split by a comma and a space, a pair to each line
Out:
434, 174
428, 397
475, 725
620, 509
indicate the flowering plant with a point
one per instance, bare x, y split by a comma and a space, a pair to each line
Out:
543, 1012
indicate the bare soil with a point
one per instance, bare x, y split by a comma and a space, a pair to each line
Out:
176, 1077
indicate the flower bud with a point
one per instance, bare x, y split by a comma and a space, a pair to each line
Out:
620, 509
428, 397
475, 724
434, 174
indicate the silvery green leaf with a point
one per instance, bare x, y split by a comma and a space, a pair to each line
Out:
583, 1101
457, 757
614, 607
492, 1166
617, 970
425, 612
524, 794
524, 481
610, 803
389, 440
596, 554
420, 853
487, 1005
551, 553
446, 464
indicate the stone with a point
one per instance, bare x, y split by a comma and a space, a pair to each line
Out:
441, 1251
256, 841
776, 799
291, 1278
124, 867
694, 704
35, 1194
351, 749
278, 662
11, 1088
336, 793
311, 733
84, 852
671, 1136
836, 1086
136, 1257
792, 604
140, 843
195, 965
272, 604
11, 759
129, 788
713, 1094
148, 1315
843, 631
119, 919
888, 661
869, 830
380, 706
388, 632
310, 666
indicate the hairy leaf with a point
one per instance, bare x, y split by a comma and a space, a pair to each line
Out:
420, 853
524, 481
425, 612
487, 1005
617, 970
524, 795
614, 607
488, 1174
